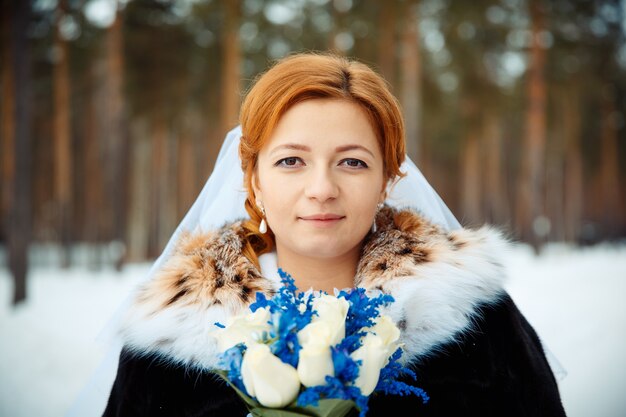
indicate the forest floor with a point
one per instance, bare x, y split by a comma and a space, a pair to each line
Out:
575, 299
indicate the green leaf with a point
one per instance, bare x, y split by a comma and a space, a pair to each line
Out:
326, 408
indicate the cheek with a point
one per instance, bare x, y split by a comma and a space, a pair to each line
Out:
279, 197
367, 192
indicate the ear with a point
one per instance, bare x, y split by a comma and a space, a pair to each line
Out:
255, 186
383, 192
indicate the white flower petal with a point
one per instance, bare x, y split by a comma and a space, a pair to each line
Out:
274, 383
315, 364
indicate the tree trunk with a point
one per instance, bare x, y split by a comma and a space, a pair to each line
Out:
62, 140
411, 81
495, 200
7, 135
471, 172
209, 137
102, 147
115, 139
141, 211
609, 165
92, 168
158, 188
471, 178
554, 183
573, 204
20, 212
530, 197
169, 220
186, 174
231, 67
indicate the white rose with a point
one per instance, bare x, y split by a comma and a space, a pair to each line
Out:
315, 364
317, 333
373, 356
315, 361
326, 329
274, 383
386, 329
244, 328
332, 310
377, 346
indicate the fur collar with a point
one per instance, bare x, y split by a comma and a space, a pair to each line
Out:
437, 278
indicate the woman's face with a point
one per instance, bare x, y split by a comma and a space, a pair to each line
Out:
320, 179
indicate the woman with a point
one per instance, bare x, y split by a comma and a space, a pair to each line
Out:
321, 148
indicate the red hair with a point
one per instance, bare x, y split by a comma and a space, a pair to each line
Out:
313, 76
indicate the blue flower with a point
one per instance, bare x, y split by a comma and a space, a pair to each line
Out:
388, 382
261, 302
363, 309
230, 361
346, 368
334, 388
291, 312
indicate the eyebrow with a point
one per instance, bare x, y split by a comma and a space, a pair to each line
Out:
299, 147
346, 148
292, 146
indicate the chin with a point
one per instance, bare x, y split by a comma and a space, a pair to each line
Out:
323, 250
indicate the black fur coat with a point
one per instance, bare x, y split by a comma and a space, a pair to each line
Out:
473, 351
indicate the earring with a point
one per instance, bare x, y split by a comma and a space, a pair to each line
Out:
263, 225
378, 207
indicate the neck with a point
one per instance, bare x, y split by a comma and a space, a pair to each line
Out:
323, 274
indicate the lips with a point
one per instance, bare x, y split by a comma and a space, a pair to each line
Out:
323, 216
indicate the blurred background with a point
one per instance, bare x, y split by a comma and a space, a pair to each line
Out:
114, 111
112, 114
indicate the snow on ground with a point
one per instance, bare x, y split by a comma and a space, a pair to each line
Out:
47, 346
573, 297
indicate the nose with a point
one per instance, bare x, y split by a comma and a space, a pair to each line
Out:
321, 185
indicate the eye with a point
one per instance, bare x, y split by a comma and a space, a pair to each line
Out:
354, 163
292, 161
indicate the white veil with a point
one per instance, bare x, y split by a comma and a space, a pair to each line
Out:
226, 182
220, 201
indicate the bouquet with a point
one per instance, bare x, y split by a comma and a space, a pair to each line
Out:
312, 354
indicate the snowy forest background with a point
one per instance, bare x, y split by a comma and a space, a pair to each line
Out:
112, 113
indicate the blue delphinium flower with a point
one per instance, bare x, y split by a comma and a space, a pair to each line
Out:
230, 361
261, 302
339, 386
361, 314
346, 368
291, 312
389, 382
363, 309
336, 389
